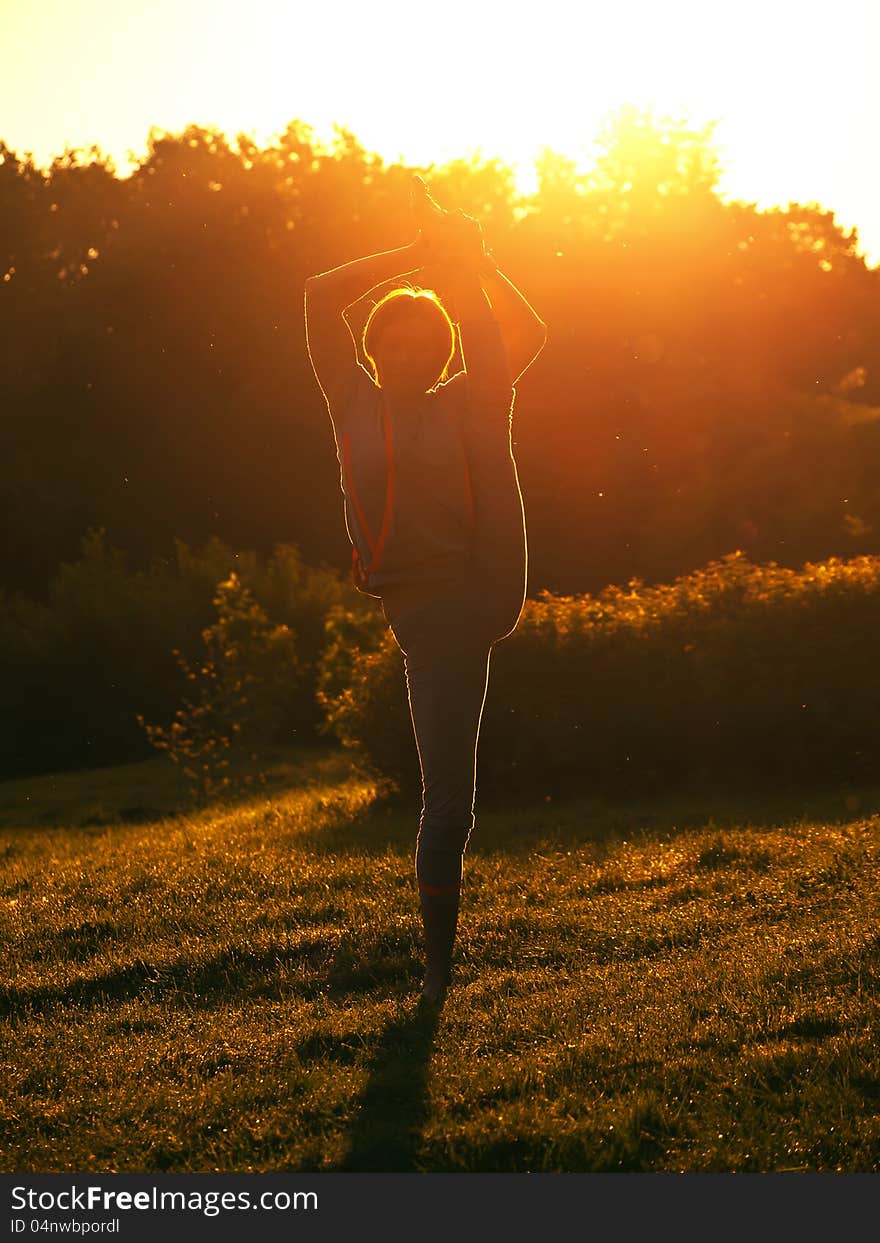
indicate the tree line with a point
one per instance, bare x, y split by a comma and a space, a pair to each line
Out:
711, 381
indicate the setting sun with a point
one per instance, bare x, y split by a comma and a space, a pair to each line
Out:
792, 101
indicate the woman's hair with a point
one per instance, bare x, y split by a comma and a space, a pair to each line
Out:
410, 304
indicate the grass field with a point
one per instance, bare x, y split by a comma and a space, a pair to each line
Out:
684, 985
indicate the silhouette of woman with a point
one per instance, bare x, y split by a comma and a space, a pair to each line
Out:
432, 502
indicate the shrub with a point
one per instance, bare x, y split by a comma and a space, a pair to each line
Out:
735, 671
77, 666
237, 696
361, 687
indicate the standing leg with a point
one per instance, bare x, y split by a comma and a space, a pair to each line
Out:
447, 678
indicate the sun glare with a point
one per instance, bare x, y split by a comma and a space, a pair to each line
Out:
792, 106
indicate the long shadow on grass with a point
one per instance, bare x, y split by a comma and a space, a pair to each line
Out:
395, 1103
276, 972
251, 973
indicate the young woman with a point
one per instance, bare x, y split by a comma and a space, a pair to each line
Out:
432, 502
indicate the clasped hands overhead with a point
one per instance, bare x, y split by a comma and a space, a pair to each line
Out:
450, 245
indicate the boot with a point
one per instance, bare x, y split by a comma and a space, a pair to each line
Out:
439, 922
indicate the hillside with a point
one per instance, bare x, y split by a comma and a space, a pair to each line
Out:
686, 985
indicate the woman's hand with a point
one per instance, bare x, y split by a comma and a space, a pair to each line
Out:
464, 242
428, 213
454, 239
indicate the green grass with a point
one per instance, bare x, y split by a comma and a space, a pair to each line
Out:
685, 985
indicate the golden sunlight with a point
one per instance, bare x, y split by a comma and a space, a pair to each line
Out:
793, 103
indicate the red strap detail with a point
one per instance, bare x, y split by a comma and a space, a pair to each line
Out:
357, 574
435, 892
377, 547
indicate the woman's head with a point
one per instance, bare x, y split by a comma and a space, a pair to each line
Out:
409, 340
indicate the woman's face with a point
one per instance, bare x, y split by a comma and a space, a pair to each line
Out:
406, 358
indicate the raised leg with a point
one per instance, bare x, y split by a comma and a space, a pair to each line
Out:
499, 543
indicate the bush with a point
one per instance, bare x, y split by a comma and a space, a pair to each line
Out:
237, 695
362, 690
737, 671
77, 667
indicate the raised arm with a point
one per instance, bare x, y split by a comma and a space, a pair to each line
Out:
523, 331
500, 333
458, 257
486, 361
330, 342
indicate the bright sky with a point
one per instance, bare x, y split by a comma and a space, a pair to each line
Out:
793, 84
